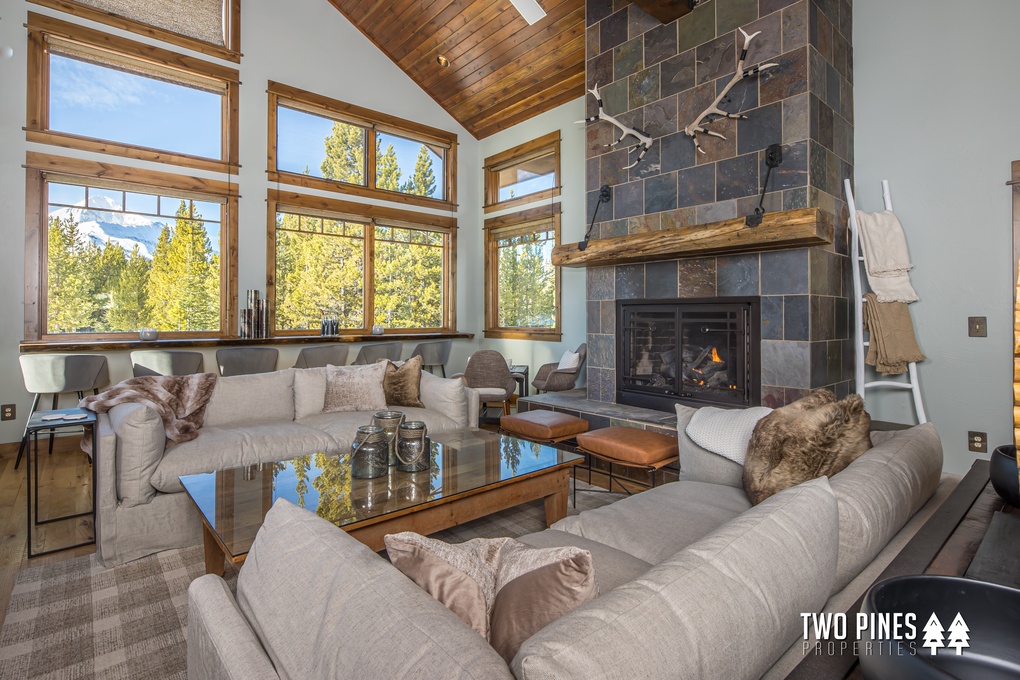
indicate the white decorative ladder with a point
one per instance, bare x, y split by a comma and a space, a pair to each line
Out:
860, 344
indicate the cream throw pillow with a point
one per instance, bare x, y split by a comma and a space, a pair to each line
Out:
355, 388
568, 361
504, 589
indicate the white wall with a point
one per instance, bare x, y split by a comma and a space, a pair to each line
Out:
936, 102
572, 226
305, 44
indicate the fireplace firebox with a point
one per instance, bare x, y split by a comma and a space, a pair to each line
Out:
693, 351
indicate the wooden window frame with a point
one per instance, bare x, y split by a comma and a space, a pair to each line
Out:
371, 216
41, 28
230, 52
538, 217
38, 165
493, 165
284, 95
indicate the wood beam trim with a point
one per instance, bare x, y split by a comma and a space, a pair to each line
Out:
141, 176
378, 212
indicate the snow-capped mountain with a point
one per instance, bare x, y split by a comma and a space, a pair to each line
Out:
100, 223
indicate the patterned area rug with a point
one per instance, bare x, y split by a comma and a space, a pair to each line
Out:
74, 619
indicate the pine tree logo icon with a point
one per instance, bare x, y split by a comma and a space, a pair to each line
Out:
959, 634
933, 631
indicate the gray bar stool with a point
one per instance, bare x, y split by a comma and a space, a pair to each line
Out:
246, 360
57, 374
433, 353
324, 355
165, 362
369, 354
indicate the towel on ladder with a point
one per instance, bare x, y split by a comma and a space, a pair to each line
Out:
892, 343
885, 256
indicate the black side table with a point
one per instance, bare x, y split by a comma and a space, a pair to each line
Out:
49, 421
522, 385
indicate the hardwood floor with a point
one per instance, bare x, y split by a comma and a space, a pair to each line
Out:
65, 487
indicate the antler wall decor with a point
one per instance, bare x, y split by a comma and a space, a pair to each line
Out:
644, 142
698, 126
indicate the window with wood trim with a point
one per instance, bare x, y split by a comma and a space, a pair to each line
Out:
524, 174
321, 143
97, 92
359, 264
211, 27
522, 287
120, 249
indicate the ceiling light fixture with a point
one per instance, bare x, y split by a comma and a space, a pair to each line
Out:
529, 9
442, 61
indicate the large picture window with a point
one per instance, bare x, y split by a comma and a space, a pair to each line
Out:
524, 174
106, 94
323, 143
522, 296
360, 264
115, 256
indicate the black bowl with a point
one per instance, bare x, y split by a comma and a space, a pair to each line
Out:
991, 617
1002, 469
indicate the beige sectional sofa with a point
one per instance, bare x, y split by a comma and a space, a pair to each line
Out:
694, 582
141, 506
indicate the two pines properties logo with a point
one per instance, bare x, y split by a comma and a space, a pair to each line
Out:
831, 633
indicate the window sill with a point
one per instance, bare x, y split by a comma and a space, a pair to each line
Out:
548, 336
71, 345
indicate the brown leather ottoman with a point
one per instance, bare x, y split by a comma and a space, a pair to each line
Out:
630, 447
543, 426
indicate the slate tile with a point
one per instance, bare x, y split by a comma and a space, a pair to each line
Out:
676, 151
772, 317
601, 283
796, 317
642, 224
792, 172
627, 59
614, 100
643, 87
639, 21
613, 30
737, 275
676, 74
679, 218
597, 10
787, 79
766, 45
769, 6
697, 277
602, 350
715, 212
597, 136
630, 282
785, 363
661, 279
660, 43
660, 117
592, 316
841, 318
823, 318
628, 200
741, 98
697, 27
762, 127
832, 87
592, 174
716, 149
821, 36
690, 103
599, 72
607, 316
695, 186
591, 41
736, 177
785, 272
819, 364
660, 193
773, 396
796, 125
716, 58
612, 170
731, 14
795, 198
650, 165
795, 26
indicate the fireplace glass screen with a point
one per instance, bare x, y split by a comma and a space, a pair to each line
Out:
691, 352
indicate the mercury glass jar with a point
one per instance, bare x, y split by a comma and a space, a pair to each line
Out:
389, 421
412, 447
370, 453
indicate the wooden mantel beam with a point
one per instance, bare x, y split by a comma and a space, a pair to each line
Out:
787, 229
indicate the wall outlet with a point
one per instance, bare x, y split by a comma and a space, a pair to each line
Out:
977, 442
977, 326
8, 412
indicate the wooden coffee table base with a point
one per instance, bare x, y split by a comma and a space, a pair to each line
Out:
552, 485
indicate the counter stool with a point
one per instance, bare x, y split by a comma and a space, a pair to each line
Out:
433, 353
246, 360
545, 427
371, 353
57, 374
165, 362
321, 356
630, 447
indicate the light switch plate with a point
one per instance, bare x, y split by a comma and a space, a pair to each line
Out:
977, 326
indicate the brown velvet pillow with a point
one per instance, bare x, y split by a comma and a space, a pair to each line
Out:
813, 437
504, 589
402, 384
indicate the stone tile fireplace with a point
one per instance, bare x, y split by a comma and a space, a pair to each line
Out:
658, 78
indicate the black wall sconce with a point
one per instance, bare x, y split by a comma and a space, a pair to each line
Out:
604, 197
773, 159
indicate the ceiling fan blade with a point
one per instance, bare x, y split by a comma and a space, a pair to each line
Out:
529, 9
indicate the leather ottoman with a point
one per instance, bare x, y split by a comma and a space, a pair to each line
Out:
543, 426
630, 447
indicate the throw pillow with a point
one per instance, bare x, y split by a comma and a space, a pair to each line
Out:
725, 431
568, 361
402, 384
813, 437
355, 388
504, 589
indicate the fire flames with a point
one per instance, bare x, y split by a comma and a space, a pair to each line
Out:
715, 356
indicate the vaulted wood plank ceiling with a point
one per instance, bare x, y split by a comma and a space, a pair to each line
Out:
501, 70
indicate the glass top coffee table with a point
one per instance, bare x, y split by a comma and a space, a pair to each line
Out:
473, 473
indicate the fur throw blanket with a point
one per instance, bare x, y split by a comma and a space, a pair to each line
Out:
180, 400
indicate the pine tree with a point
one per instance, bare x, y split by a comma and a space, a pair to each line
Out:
71, 301
130, 293
345, 154
423, 181
387, 174
183, 289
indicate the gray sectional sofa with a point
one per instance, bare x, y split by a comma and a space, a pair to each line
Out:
141, 505
694, 582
